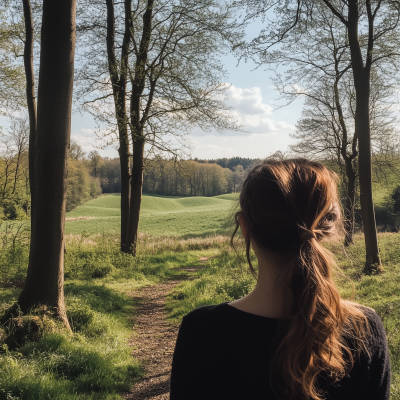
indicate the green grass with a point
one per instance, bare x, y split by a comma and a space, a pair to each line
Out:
182, 216
384, 184
94, 362
226, 277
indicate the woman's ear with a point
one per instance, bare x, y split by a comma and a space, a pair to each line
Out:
243, 225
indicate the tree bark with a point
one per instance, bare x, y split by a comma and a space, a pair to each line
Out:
365, 177
45, 278
138, 139
349, 203
361, 75
118, 76
136, 196
30, 85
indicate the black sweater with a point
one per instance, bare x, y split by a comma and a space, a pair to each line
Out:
224, 353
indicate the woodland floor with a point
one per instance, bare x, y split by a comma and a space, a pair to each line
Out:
154, 340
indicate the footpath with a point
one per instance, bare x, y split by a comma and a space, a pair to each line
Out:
154, 339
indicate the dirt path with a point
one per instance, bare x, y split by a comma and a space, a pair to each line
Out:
155, 339
155, 342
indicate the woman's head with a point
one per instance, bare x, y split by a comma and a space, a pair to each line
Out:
287, 203
287, 208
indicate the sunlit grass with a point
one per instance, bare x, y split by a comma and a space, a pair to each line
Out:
95, 362
227, 277
179, 216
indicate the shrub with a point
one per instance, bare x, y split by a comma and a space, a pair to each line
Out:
97, 268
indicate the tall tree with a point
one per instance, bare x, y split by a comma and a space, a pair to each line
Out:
382, 18
319, 68
118, 71
373, 37
45, 277
174, 79
326, 131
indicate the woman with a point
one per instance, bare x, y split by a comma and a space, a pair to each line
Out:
293, 336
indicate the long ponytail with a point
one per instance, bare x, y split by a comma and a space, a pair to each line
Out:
290, 207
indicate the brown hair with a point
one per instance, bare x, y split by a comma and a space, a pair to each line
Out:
289, 207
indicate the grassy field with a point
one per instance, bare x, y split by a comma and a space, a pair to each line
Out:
185, 217
95, 362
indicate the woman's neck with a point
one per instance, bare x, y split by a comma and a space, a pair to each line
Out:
270, 297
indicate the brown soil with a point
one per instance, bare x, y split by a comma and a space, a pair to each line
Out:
154, 341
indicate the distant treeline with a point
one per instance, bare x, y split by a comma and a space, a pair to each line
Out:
231, 163
191, 178
184, 178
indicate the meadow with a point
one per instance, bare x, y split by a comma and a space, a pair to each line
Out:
95, 362
182, 216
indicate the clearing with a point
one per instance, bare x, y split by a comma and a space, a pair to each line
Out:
181, 216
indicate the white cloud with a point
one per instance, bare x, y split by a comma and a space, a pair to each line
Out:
86, 142
250, 110
253, 146
247, 101
88, 131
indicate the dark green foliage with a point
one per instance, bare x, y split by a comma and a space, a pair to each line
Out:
97, 268
233, 162
110, 176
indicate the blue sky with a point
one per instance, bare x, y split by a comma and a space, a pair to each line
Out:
252, 97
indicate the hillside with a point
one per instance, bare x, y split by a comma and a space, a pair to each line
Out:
182, 216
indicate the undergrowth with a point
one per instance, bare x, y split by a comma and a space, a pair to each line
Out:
94, 362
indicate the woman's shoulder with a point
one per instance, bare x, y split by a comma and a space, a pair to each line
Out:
205, 320
376, 335
376, 328
374, 320
204, 313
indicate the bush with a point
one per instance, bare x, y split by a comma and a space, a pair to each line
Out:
14, 252
97, 267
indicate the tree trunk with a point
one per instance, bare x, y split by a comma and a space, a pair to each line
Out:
365, 177
30, 85
361, 76
125, 185
349, 203
45, 278
137, 122
119, 81
136, 196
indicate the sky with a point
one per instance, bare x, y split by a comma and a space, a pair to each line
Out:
253, 100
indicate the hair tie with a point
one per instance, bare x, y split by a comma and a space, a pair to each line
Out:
306, 234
